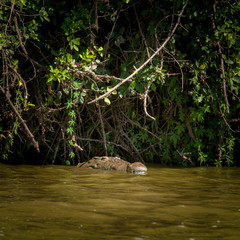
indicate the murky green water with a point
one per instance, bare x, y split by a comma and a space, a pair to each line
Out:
66, 203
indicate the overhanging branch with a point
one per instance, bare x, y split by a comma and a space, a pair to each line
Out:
146, 62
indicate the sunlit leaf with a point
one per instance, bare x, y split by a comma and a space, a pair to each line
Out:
75, 47
107, 101
67, 162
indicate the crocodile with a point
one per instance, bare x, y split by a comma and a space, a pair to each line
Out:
114, 163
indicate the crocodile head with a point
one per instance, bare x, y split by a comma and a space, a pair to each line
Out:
137, 167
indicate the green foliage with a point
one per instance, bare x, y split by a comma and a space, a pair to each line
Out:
58, 56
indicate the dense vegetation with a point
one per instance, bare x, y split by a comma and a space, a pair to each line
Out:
155, 81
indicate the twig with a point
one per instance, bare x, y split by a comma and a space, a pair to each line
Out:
101, 141
10, 17
5, 73
30, 135
221, 59
19, 36
55, 152
133, 146
22, 81
97, 76
224, 119
133, 123
146, 62
184, 157
23, 47
103, 130
140, 30
75, 144
117, 12
96, 15
145, 100
178, 66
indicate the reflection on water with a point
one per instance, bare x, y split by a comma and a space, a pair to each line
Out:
66, 203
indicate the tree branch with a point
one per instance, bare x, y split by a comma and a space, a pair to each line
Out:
30, 135
145, 63
221, 60
145, 100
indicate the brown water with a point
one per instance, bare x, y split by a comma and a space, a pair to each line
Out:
66, 203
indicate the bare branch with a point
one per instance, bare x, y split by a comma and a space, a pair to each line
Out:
103, 130
10, 17
178, 66
145, 100
141, 32
139, 126
224, 119
19, 36
221, 60
30, 135
184, 156
97, 76
146, 62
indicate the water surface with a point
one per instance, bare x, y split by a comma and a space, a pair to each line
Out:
63, 203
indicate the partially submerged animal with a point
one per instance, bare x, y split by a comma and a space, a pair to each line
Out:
114, 163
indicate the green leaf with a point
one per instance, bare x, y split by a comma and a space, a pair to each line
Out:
181, 115
70, 130
69, 104
67, 162
179, 129
30, 104
23, 2
174, 138
69, 58
72, 114
75, 47
71, 123
70, 142
76, 41
153, 87
71, 155
76, 95
81, 99
107, 101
